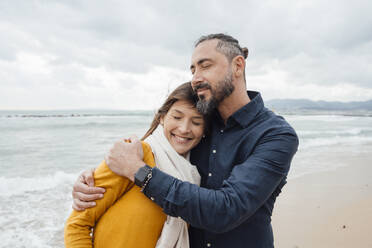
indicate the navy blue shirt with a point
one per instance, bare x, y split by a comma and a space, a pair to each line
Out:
243, 166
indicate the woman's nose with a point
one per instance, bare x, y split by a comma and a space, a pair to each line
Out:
184, 126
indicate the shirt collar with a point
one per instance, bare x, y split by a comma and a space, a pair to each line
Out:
247, 113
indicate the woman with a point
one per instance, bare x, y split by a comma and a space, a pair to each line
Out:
127, 218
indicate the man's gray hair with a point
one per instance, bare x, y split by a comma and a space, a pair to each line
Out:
227, 45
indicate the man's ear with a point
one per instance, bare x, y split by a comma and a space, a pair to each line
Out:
238, 66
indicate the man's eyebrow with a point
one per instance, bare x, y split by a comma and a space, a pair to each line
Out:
201, 61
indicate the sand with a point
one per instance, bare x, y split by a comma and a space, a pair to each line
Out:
327, 209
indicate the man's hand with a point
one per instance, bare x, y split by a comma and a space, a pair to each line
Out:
84, 193
126, 158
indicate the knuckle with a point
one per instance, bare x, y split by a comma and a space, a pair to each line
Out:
82, 198
80, 204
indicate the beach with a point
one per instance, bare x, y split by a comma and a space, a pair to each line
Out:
328, 209
326, 202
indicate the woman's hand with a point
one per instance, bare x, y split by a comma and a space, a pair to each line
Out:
84, 193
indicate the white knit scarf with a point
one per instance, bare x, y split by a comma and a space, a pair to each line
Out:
175, 231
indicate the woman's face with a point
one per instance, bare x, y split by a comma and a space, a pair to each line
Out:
183, 126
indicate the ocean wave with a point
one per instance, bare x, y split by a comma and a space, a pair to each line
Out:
10, 186
321, 142
325, 118
34, 210
351, 131
51, 114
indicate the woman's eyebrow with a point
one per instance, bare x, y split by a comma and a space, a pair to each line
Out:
178, 111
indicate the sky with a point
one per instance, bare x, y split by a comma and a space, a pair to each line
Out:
90, 54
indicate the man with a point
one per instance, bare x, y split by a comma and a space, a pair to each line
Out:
243, 161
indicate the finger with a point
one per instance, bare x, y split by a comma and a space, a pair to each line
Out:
136, 141
83, 188
89, 178
77, 208
82, 176
86, 197
82, 204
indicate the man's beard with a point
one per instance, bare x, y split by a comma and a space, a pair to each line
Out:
224, 89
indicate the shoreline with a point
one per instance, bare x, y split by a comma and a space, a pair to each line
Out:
327, 209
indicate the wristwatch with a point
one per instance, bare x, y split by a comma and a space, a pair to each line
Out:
143, 176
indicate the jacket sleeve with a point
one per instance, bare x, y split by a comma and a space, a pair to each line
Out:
77, 232
247, 188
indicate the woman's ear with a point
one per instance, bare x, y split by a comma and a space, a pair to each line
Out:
162, 120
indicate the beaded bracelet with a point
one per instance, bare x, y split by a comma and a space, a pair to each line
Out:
149, 176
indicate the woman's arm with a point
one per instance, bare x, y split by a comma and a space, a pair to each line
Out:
79, 225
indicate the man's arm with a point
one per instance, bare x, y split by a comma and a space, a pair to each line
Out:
247, 188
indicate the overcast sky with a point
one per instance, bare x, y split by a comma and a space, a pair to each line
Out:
77, 54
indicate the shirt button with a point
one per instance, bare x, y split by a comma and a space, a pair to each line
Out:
221, 130
214, 151
152, 198
208, 244
210, 174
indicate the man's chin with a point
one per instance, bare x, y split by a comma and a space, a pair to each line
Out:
206, 107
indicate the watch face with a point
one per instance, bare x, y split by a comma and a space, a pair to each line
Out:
141, 175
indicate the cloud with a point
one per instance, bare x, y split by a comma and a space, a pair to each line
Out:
83, 50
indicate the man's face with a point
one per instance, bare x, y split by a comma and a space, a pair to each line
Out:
212, 76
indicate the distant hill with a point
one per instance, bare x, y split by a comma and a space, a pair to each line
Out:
308, 105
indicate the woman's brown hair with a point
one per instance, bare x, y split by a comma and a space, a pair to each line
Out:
182, 92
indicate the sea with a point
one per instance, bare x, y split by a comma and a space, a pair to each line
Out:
43, 152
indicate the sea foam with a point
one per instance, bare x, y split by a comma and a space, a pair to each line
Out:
21, 185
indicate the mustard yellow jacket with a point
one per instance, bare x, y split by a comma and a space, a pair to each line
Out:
124, 217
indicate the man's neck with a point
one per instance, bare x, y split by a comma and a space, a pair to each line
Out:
233, 103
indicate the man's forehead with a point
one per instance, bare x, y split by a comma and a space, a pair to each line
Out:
204, 50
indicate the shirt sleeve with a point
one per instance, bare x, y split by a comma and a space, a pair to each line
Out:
79, 225
247, 188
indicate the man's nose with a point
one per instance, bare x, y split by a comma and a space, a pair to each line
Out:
196, 79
